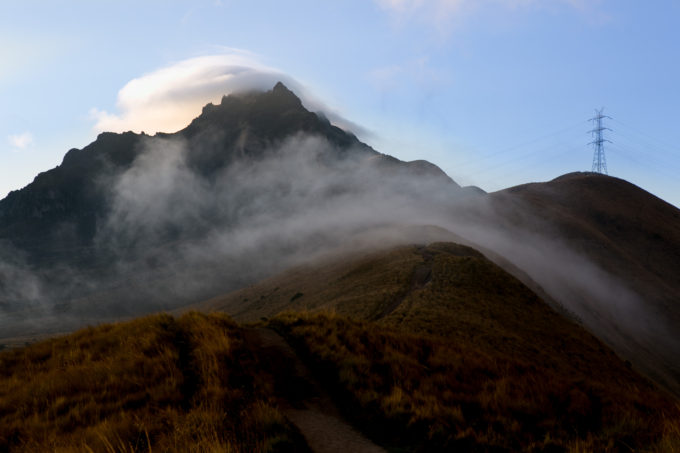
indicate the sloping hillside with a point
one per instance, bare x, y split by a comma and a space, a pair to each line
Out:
442, 289
624, 229
626, 289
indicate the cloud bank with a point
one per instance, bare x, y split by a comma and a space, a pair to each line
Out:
167, 99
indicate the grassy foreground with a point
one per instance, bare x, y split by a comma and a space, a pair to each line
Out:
154, 384
428, 393
193, 384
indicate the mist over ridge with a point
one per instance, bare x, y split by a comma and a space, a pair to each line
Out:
134, 223
257, 180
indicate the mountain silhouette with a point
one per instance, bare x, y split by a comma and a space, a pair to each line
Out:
71, 197
67, 202
84, 226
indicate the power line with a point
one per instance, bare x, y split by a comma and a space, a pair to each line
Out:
659, 168
480, 158
647, 137
537, 151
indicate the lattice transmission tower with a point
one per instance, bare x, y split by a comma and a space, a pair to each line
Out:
599, 160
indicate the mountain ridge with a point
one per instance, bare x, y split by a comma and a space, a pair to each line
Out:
258, 183
629, 242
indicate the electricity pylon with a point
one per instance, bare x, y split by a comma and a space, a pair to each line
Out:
599, 160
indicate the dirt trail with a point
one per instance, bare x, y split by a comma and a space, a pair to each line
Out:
303, 400
421, 276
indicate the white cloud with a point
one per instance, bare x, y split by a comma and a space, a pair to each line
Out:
442, 13
167, 99
20, 141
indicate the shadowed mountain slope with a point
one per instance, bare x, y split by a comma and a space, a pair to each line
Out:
620, 274
624, 229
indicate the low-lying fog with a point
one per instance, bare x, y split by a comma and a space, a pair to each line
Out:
173, 236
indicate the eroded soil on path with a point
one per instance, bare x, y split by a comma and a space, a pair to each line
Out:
303, 400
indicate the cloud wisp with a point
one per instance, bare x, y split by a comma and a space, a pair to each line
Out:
173, 234
19, 142
444, 14
255, 216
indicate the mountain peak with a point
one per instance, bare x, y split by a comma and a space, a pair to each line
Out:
280, 88
279, 95
284, 97
265, 117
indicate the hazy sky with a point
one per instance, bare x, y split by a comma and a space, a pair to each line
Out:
495, 92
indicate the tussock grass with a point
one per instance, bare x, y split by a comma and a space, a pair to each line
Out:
429, 393
458, 354
154, 384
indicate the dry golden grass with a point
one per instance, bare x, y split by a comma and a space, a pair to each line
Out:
471, 357
466, 299
154, 384
429, 393
357, 285
432, 348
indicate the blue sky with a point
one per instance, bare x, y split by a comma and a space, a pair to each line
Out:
495, 92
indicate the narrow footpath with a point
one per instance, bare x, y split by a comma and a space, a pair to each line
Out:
304, 401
